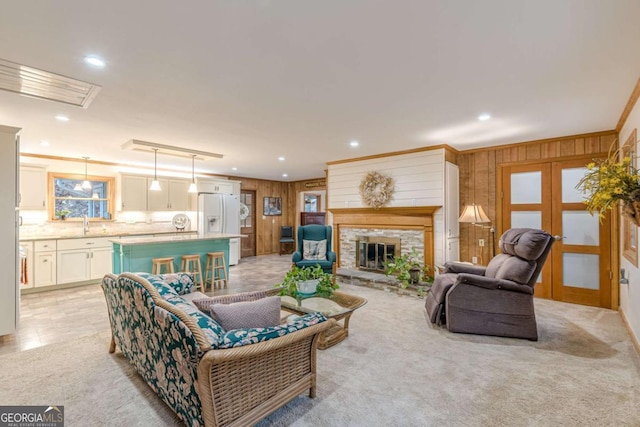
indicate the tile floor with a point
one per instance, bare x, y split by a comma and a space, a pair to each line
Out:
64, 314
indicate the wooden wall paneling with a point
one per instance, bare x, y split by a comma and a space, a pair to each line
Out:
463, 168
533, 151
608, 143
567, 148
268, 227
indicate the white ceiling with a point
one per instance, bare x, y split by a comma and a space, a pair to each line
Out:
258, 79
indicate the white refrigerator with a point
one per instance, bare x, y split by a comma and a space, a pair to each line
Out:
220, 213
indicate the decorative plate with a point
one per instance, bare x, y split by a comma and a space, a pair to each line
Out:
180, 221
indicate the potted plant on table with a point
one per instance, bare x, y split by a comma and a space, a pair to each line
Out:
307, 281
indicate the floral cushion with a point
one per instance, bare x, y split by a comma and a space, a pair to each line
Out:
246, 336
160, 346
210, 327
181, 283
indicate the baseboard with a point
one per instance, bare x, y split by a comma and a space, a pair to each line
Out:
634, 339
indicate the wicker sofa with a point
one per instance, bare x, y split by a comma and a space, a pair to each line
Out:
208, 376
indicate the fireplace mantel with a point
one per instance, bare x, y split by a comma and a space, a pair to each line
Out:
411, 217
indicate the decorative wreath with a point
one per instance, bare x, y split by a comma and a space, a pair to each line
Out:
376, 189
244, 211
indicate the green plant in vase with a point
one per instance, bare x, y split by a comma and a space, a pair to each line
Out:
297, 278
63, 213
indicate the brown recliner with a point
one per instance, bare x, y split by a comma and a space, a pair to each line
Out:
496, 299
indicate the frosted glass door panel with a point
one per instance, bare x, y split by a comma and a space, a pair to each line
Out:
570, 178
581, 271
580, 228
526, 187
526, 219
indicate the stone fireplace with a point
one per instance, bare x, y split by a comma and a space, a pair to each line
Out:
372, 252
410, 226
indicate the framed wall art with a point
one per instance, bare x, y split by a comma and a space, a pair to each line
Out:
272, 206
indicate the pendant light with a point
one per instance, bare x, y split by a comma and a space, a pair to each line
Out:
193, 188
86, 184
155, 185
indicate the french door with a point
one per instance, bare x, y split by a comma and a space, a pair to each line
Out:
543, 195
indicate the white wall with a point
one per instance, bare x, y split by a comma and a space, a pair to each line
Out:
419, 181
630, 294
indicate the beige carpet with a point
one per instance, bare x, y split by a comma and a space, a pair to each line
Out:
393, 370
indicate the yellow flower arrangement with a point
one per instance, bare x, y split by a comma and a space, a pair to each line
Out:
609, 181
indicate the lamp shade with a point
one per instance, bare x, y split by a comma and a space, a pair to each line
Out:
474, 214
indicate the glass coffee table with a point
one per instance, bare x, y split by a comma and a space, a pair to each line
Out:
339, 307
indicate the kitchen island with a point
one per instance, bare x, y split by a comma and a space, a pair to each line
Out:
135, 254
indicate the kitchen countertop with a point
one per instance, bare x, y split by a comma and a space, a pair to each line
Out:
100, 234
164, 239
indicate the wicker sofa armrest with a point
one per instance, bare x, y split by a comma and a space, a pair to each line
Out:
459, 267
491, 283
291, 361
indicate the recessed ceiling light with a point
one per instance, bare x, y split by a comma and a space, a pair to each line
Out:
95, 61
44, 143
484, 117
354, 143
284, 175
281, 158
62, 118
234, 168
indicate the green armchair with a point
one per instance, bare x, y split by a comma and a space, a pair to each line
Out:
314, 247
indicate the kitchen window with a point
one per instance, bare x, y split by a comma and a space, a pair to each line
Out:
70, 197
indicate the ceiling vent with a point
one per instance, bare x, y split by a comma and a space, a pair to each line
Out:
170, 150
42, 84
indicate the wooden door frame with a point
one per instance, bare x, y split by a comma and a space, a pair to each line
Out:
614, 222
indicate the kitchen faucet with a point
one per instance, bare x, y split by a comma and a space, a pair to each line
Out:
85, 225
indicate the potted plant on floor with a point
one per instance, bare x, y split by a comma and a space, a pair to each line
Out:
407, 268
309, 281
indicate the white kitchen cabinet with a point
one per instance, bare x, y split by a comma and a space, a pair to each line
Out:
173, 196
44, 269
33, 188
101, 262
133, 193
74, 265
44, 263
83, 259
218, 186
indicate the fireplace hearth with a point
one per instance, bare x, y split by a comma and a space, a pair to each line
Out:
372, 252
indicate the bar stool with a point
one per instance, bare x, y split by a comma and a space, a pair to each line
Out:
217, 267
191, 264
158, 263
